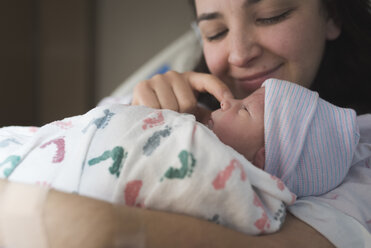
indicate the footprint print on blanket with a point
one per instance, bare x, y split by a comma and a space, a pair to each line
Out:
188, 163
14, 162
215, 219
61, 150
131, 193
263, 223
7, 142
155, 121
154, 141
117, 154
101, 122
223, 176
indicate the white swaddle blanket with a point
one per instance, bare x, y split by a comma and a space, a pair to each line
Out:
156, 159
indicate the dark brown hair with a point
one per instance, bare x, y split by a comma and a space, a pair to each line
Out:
344, 76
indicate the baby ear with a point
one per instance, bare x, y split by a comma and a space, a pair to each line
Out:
333, 29
259, 159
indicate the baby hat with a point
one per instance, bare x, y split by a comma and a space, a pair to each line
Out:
309, 143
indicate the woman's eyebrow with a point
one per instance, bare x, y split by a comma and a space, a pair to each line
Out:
251, 2
216, 15
208, 16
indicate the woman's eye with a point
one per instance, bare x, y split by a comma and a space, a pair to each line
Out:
274, 19
217, 36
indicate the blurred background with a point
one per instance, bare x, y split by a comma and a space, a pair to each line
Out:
59, 58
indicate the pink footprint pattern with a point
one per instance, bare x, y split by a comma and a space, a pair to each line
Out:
63, 124
221, 179
155, 121
131, 192
263, 223
44, 184
33, 129
280, 184
60, 143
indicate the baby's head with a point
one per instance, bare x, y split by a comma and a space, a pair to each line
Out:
291, 133
240, 124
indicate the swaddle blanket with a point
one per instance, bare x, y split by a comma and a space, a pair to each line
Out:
156, 159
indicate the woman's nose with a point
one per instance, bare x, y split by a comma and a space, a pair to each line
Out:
243, 48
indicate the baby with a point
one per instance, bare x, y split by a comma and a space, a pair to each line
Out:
290, 132
164, 160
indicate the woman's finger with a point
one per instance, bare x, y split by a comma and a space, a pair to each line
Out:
208, 83
162, 87
183, 92
143, 94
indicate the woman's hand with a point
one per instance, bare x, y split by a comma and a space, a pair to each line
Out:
178, 91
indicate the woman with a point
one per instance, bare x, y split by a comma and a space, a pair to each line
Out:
323, 45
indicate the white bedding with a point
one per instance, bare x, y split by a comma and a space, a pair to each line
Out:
343, 215
157, 159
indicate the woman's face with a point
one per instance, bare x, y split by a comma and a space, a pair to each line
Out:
240, 123
248, 41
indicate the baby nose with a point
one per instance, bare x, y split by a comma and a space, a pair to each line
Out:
224, 104
227, 104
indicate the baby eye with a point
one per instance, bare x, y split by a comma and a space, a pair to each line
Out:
274, 19
244, 108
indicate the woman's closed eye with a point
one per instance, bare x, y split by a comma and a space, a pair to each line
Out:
274, 19
217, 36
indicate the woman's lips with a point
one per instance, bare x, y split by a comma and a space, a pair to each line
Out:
252, 83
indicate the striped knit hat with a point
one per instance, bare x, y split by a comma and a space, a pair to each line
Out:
309, 143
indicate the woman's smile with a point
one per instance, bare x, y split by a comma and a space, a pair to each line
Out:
252, 82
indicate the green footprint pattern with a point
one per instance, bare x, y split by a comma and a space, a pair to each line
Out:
118, 156
14, 161
188, 163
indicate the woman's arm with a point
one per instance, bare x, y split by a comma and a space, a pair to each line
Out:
76, 221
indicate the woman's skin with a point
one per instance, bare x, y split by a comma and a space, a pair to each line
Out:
244, 43
77, 221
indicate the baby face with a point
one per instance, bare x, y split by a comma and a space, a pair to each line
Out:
240, 123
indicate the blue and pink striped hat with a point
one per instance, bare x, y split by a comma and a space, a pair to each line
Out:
309, 143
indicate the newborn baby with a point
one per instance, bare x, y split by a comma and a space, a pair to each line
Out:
164, 160
290, 132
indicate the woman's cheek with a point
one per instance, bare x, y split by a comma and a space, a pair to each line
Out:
216, 60
301, 53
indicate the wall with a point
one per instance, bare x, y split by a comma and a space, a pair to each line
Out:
59, 58
17, 71
129, 32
